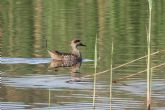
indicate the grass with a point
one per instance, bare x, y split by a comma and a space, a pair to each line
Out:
149, 74
95, 67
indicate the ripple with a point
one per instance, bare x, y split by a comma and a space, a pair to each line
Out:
44, 81
139, 87
13, 106
7, 60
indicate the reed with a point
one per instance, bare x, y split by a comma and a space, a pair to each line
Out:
111, 77
49, 99
99, 73
149, 74
137, 73
95, 71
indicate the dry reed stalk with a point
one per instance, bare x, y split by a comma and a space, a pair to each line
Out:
149, 74
123, 64
95, 67
111, 77
134, 74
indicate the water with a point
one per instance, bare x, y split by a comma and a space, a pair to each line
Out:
28, 28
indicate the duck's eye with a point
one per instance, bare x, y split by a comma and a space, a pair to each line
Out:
76, 41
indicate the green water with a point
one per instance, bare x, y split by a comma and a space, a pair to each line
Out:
26, 26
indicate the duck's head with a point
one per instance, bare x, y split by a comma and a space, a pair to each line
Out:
76, 43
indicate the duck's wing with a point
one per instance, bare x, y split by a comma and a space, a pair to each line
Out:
67, 56
61, 55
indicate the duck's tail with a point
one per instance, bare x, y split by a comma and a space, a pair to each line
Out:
54, 55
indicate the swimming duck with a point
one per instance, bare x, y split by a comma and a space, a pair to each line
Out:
75, 54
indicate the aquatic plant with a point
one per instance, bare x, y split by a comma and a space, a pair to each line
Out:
49, 99
95, 71
99, 73
111, 77
149, 73
138, 73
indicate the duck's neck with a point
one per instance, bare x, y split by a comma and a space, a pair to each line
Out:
76, 51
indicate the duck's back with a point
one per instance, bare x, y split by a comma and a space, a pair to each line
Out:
56, 55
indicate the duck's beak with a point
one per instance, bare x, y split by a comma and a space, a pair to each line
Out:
81, 44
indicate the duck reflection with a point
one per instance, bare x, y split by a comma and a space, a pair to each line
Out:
73, 65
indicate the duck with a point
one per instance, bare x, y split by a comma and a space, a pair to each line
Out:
75, 54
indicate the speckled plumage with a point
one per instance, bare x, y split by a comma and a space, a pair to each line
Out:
74, 55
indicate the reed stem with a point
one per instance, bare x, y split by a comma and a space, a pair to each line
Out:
111, 76
123, 64
120, 79
95, 67
149, 58
49, 100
